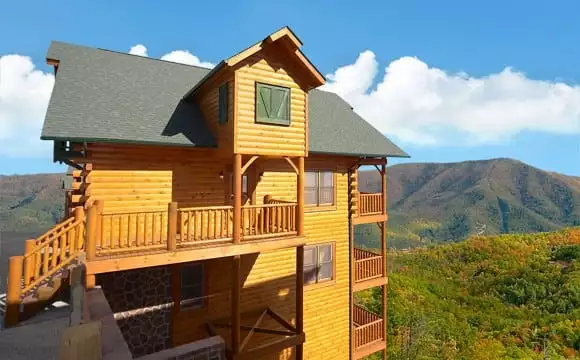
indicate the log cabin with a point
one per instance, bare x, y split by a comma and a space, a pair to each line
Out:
214, 202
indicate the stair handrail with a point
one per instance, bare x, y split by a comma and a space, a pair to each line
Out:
42, 261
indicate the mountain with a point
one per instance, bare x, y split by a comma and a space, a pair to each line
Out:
494, 297
30, 203
434, 202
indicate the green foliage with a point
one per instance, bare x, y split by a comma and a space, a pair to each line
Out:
501, 297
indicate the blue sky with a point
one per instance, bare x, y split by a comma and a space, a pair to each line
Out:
444, 47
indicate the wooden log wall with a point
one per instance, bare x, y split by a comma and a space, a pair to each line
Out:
269, 278
266, 139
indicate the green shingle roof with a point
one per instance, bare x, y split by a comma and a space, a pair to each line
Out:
101, 95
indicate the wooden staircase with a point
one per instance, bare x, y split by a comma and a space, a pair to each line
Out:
40, 276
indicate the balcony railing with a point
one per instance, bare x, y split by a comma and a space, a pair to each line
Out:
148, 230
371, 203
368, 265
368, 327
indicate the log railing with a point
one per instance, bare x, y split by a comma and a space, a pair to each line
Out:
268, 220
43, 257
368, 265
368, 327
205, 224
370, 203
127, 231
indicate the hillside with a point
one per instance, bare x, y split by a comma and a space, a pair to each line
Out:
30, 202
449, 201
499, 297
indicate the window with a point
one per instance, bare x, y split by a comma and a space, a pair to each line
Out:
319, 188
192, 286
223, 104
272, 104
318, 263
244, 187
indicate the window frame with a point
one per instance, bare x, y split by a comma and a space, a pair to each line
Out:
191, 304
318, 206
223, 103
321, 282
268, 121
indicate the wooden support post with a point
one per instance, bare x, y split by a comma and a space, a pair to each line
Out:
79, 214
100, 205
236, 317
299, 298
91, 240
384, 252
300, 197
352, 281
30, 260
91, 281
14, 290
384, 187
237, 223
172, 226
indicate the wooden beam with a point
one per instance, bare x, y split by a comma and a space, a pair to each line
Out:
299, 298
291, 163
370, 349
237, 221
372, 161
137, 261
249, 163
271, 348
252, 330
258, 329
369, 219
274, 315
236, 317
366, 284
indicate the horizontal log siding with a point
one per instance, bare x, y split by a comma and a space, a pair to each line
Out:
132, 178
269, 278
265, 139
209, 105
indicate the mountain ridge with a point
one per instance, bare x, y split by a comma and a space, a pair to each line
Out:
476, 197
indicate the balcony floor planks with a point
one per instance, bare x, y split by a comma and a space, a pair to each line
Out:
136, 260
370, 348
366, 284
367, 219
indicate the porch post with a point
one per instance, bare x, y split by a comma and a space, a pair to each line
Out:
384, 252
300, 197
237, 223
299, 298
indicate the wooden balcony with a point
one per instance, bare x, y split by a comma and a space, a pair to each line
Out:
368, 269
369, 332
189, 234
371, 208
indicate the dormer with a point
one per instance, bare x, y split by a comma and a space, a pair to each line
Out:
256, 102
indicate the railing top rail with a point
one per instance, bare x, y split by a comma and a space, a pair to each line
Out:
366, 251
290, 204
45, 244
113, 212
372, 323
278, 201
370, 193
374, 257
220, 207
56, 228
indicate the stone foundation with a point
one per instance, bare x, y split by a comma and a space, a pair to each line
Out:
141, 301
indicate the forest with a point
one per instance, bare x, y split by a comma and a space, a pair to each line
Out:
497, 297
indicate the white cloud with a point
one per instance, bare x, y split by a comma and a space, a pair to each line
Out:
24, 95
185, 57
427, 106
176, 56
138, 49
